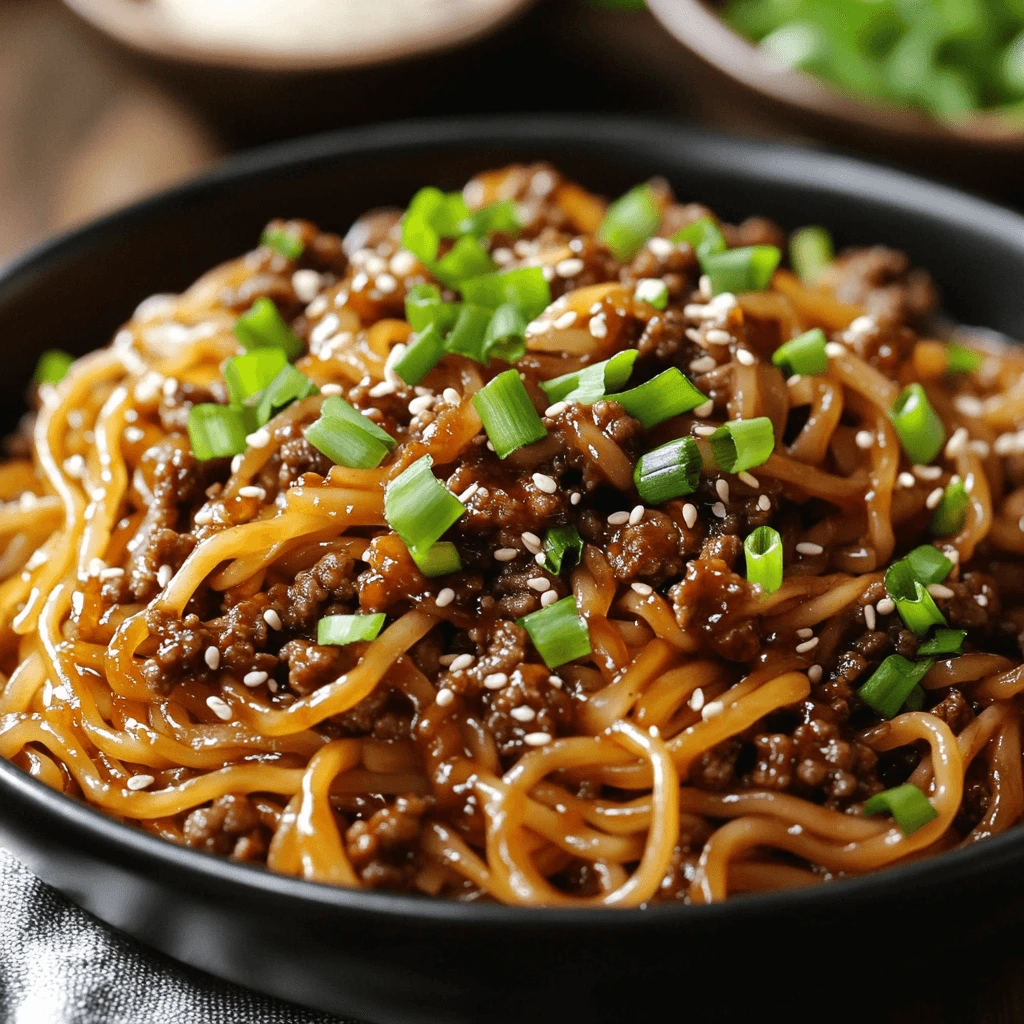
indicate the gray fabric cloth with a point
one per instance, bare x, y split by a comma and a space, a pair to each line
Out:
60, 965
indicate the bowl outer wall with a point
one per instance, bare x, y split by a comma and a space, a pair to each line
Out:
388, 957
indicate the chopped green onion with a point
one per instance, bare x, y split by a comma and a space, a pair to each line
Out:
891, 684
433, 215
336, 408
743, 444
960, 359
507, 413
419, 508
469, 335
287, 387
811, 253
667, 395
424, 306
918, 425
915, 701
804, 354
704, 236
561, 543
669, 471
347, 437
285, 243
217, 431
558, 632
501, 216
763, 550
53, 366
421, 355
263, 327
951, 512
929, 564
586, 386
915, 605
910, 808
338, 630
526, 288
505, 337
440, 560
247, 375
653, 291
467, 258
945, 641
629, 222
748, 269
419, 234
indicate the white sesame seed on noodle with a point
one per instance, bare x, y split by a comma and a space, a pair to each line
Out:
569, 267
704, 429
212, 658
712, 709
598, 326
445, 597
259, 438
254, 678
718, 509
805, 633
539, 583
220, 708
933, 499
764, 503
834, 349
696, 700
272, 619
618, 519
927, 472
886, 606
554, 410
164, 576
444, 697
864, 439
532, 542
544, 483
463, 661
495, 681
807, 645
869, 616
636, 515
537, 739
331, 389
643, 589
703, 365
722, 489
451, 396
566, 319
957, 444
940, 591
523, 713
505, 554
469, 492
716, 336
808, 548
690, 515
549, 597
137, 782
745, 357
250, 491
905, 479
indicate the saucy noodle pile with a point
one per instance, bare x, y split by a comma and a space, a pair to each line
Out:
529, 548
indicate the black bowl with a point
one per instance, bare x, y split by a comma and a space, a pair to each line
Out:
398, 958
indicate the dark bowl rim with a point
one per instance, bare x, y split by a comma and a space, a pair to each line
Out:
784, 164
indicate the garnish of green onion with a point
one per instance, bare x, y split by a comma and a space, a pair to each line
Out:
420, 235
247, 375
742, 444
910, 808
951, 512
763, 550
285, 243
659, 399
562, 544
419, 508
526, 288
891, 684
669, 471
653, 291
421, 355
424, 306
811, 253
347, 437
440, 560
498, 217
748, 269
263, 327
287, 387
929, 564
915, 605
338, 630
467, 258
918, 425
217, 431
507, 414
470, 332
960, 359
629, 222
704, 236
53, 366
586, 386
505, 337
804, 354
558, 632
945, 641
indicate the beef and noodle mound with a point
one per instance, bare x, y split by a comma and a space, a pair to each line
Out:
529, 548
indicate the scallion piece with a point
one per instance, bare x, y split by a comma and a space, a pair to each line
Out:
653, 291
419, 508
424, 306
421, 355
910, 808
338, 630
558, 632
347, 437
336, 408
891, 684
659, 399
743, 444
467, 258
285, 243
247, 375
263, 327
763, 550
804, 354
526, 288
748, 269
562, 544
704, 236
501, 216
951, 512
960, 359
945, 641
419, 235
287, 387
586, 386
469, 334
505, 337
915, 605
669, 471
918, 425
929, 564
507, 414
217, 431
53, 366
629, 222
811, 253
440, 560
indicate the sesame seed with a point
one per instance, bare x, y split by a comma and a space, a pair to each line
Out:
805, 633
112, 573
220, 708
598, 326
660, 246
704, 429
869, 616
420, 405
445, 597
549, 597
927, 472
444, 697
212, 658
306, 284
643, 589
451, 396
745, 357
382, 389
618, 519
545, 483
722, 489
330, 389
272, 619
385, 283
957, 443
469, 492
807, 645
764, 503
968, 405
864, 439
575, 498
934, 498
567, 319
554, 410
807, 548
555, 681
463, 661
495, 681
537, 739
95, 566
446, 659
569, 267
254, 678
716, 336
718, 509
711, 709
982, 600
905, 479
523, 714
252, 492
258, 438
540, 558
748, 479
654, 732
980, 448
164, 576
636, 515
402, 263
940, 591
814, 673
834, 348
77, 603
532, 542
704, 410
505, 554
696, 700
690, 515
539, 583
886, 606
703, 365
137, 782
